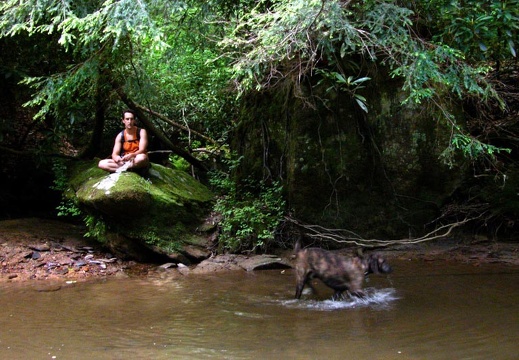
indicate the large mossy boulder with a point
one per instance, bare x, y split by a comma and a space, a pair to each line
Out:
138, 216
380, 174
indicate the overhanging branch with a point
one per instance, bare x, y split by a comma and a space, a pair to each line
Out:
152, 128
175, 124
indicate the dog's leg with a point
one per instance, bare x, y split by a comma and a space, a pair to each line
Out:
337, 295
359, 294
355, 288
302, 279
299, 289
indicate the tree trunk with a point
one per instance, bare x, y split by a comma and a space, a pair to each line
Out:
99, 124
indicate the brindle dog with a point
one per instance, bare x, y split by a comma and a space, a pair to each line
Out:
336, 271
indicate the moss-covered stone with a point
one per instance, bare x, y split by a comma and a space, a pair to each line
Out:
378, 174
161, 211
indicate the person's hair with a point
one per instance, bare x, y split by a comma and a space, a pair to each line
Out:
129, 111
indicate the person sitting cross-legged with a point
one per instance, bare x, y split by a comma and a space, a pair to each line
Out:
130, 147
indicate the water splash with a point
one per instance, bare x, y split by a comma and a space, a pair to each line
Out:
375, 298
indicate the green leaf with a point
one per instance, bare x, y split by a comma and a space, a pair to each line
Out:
361, 80
362, 105
512, 48
340, 79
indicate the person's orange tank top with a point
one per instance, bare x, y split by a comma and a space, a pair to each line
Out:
130, 146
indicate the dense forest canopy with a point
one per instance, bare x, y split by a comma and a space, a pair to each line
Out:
187, 68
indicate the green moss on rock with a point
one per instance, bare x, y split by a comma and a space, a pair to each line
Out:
161, 210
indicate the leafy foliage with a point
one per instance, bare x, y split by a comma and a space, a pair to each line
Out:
288, 40
291, 39
251, 212
483, 30
350, 85
471, 148
148, 47
96, 227
67, 207
164, 54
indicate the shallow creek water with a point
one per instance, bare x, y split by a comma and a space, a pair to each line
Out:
424, 310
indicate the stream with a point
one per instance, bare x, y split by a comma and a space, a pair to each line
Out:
423, 310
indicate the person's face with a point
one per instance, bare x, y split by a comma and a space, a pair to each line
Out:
128, 120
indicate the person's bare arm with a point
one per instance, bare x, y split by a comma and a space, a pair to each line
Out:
116, 152
143, 142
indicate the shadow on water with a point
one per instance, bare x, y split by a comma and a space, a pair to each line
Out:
424, 310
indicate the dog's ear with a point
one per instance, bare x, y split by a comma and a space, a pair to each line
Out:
373, 264
297, 246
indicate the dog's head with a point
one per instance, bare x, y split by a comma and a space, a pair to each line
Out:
377, 264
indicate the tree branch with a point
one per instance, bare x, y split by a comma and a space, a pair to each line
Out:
175, 124
344, 236
152, 128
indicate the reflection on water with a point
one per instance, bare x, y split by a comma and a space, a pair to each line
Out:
422, 311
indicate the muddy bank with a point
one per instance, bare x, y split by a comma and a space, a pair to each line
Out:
41, 249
